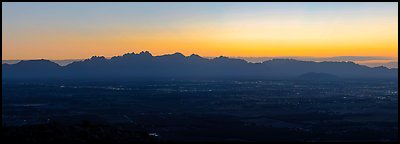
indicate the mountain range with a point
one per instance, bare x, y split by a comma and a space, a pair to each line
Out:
145, 65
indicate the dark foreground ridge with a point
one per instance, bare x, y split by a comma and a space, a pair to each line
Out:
145, 65
83, 132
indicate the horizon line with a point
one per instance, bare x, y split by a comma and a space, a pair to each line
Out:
266, 58
108, 57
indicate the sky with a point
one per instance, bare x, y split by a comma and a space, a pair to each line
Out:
80, 30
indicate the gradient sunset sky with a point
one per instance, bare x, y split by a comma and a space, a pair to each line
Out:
81, 30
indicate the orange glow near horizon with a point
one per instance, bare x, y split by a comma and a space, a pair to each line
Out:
235, 36
223, 42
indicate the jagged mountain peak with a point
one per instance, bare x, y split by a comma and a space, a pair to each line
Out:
145, 53
129, 54
194, 55
176, 55
98, 58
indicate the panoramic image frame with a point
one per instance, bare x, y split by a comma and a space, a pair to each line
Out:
199, 72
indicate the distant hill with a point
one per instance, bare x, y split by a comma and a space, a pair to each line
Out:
59, 62
146, 66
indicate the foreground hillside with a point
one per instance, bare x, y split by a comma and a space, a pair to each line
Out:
84, 132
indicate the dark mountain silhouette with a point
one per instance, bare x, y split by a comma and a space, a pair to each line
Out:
145, 65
